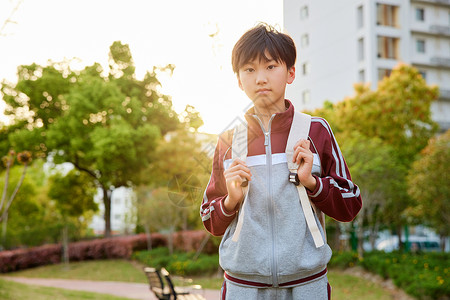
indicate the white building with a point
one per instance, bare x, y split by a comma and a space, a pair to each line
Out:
348, 41
123, 212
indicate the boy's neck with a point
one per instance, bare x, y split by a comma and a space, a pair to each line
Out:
266, 113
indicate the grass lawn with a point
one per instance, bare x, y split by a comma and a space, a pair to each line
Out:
344, 286
15, 291
102, 270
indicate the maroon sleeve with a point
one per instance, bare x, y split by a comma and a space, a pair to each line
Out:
335, 194
214, 216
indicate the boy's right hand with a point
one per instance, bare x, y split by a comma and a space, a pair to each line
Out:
235, 175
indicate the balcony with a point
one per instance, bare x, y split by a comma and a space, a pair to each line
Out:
440, 61
444, 95
437, 2
440, 29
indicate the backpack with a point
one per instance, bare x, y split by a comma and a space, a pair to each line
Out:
299, 130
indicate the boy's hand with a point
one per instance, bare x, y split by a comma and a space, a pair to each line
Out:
304, 158
237, 173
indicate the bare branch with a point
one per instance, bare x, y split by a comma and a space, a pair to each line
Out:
19, 184
9, 19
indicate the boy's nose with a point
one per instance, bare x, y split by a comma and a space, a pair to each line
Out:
261, 78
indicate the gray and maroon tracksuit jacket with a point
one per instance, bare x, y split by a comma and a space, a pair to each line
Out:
275, 247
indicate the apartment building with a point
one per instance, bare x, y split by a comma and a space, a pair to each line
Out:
347, 41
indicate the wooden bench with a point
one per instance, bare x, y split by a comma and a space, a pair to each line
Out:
163, 288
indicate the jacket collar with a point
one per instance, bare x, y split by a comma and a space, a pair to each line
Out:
281, 122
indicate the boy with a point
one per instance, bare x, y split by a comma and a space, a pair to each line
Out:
269, 252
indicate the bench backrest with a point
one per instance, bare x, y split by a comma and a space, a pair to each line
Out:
156, 283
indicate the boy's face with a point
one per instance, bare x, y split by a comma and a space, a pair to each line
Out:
264, 82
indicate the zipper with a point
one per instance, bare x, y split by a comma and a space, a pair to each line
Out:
270, 204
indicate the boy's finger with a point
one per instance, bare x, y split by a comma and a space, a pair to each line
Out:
237, 161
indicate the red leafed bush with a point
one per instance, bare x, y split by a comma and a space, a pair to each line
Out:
116, 247
192, 240
27, 258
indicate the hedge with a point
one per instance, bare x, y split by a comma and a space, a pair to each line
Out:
106, 248
424, 276
179, 263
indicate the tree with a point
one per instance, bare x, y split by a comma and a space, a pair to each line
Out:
398, 113
74, 196
374, 168
428, 185
8, 161
30, 219
23, 158
181, 166
157, 212
107, 127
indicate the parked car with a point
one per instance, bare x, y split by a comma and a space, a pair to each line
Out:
415, 243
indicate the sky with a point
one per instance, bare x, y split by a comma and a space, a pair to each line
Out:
196, 36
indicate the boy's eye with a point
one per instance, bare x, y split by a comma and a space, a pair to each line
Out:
249, 70
271, 67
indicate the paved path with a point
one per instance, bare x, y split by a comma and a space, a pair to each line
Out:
123, 289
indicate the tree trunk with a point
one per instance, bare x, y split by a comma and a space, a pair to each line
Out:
360, 233
337, 236
4, 230
399, 235
65, 245
442, 242
373, 235
107, 203
170, 240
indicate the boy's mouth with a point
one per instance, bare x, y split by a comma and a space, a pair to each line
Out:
262, 91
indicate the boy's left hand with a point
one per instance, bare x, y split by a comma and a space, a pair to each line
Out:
304, 158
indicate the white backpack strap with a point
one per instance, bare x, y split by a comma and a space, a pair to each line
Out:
300, 130
239, 150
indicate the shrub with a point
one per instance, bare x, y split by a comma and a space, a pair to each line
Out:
116, 247
424, 276
344, 260
180, 263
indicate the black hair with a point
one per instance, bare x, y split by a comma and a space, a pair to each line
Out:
261, 38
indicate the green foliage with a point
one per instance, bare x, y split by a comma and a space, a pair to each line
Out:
423, 276
428, 184
398, 112
33, 219
158, 211
73, 193
107, 127
179, 263
344, 260
380, 133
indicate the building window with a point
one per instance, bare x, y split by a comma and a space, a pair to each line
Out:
420, 14
306, 97
387, 15
383, 73
306, 68
304, 40
420, 46
304, 13
387, 47
360, 17
361, 76
360, 49
424, 74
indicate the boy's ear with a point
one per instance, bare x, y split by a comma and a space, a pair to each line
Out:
291, 75
239, 82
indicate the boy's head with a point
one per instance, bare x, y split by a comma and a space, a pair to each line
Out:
258, 41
